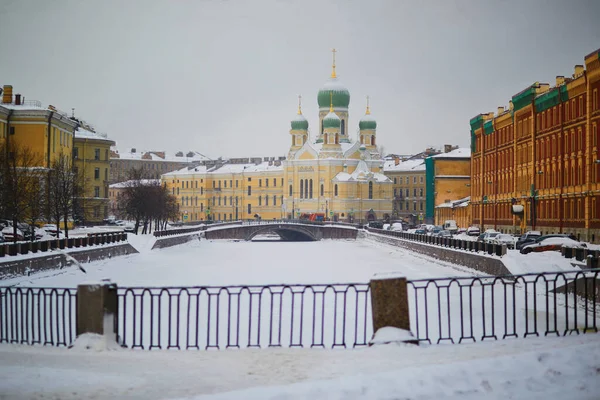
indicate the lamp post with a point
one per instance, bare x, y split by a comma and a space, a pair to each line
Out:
326, 209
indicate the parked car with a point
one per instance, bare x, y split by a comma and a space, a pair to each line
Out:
1, 237
396, 226
421, 232
434, 231
450, 225
445, 234
37, 233
9, 234
376, 224
505, 238
129, 227
51, 230
473, 231
460, 231
487, 236
554, 243
527, 238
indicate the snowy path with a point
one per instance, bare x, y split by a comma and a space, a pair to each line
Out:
540, 368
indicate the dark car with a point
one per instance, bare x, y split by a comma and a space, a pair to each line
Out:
527, 238
446, 234
376, 224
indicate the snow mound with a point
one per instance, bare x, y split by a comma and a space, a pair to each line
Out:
390, 334
94, 342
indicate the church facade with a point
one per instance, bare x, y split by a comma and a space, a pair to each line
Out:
327, 173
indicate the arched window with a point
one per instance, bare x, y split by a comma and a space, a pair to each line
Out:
274, 200
301, 188
343, 127
335, 190
266, 200
321, 127
260, 200
322, 189
290, 190
372, 140
311, 190
370, 190
306, 188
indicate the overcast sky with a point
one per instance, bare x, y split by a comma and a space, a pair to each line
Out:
222, 77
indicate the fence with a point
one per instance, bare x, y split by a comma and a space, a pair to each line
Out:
37, 315
447, 310
480, 308
458, 244
92, 239
245, 316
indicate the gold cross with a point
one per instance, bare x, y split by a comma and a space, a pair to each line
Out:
299, 104
333, 75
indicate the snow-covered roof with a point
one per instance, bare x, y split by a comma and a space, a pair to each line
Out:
82, 133
187, 171
29, 105
404, 166
239, 168
121, 185
464, 202
361, 173
461, 152
154, 156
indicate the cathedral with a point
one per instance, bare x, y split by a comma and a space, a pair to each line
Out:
332, 173
326, 174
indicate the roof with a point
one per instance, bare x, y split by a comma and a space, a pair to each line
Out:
464, 202
122, 185
461, 152
417, 165
187, 171
82, 133
154, 156
361, 173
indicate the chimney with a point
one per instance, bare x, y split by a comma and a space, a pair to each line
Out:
7, 94
396, 160
560, 80
447, 148
17, 99
133, 150
510, 105
500, 110
578, 70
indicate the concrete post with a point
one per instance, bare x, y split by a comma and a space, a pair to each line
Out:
97, 309
389, 302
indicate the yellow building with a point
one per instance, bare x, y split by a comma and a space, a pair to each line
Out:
48, 133
409, 189
331, 174
448, 178
91, 156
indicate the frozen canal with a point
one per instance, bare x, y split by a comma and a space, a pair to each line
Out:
226, 263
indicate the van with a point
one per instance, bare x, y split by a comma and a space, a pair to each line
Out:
450, 225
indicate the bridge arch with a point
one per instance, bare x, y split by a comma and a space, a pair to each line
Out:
285, 232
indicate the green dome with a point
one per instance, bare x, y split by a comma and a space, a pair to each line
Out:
340, 98
331, 120
367, 122
299, 123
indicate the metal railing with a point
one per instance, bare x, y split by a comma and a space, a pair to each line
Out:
38, 315
479, 308
326, 316
42, 246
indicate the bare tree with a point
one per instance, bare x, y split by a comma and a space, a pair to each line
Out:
62, 187
20, 175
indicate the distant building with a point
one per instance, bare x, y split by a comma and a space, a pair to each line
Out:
153, 163
409, 188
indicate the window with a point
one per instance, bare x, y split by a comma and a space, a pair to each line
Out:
274, 200
225, 184
421, 179
407, 180
311, 189
400, 205
249, 190
96, 154
414, 179
267, 182
274, 182
407, 194
260, 200
260, 183
421, 192
105, 174
266, 200
335, 190
96, 191
236, 183
290, 190
306, 188
281, 181
414, 192
370, 190
219, 200
75, 153
249, 208
249, 179
96, 174
301, 188
322, 189
106, 155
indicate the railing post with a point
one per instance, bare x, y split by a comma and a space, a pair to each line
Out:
389, 302
97, 309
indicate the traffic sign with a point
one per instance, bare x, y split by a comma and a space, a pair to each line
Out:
331, 213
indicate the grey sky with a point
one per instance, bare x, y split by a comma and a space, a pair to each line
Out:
221, 77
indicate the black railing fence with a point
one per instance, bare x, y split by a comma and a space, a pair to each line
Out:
38, 315
326, 316
478, 308
446, 310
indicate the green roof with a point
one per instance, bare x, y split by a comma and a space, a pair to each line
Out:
488, 127
331, 120
551, 98
299, 124
523, 98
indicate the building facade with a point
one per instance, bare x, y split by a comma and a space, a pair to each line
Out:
91, 156
409, 189
332, 174
541, 154
152, 163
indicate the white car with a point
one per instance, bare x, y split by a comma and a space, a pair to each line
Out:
505, 238
51, 229
396, 226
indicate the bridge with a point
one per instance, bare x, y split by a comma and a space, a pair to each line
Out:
288, 230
